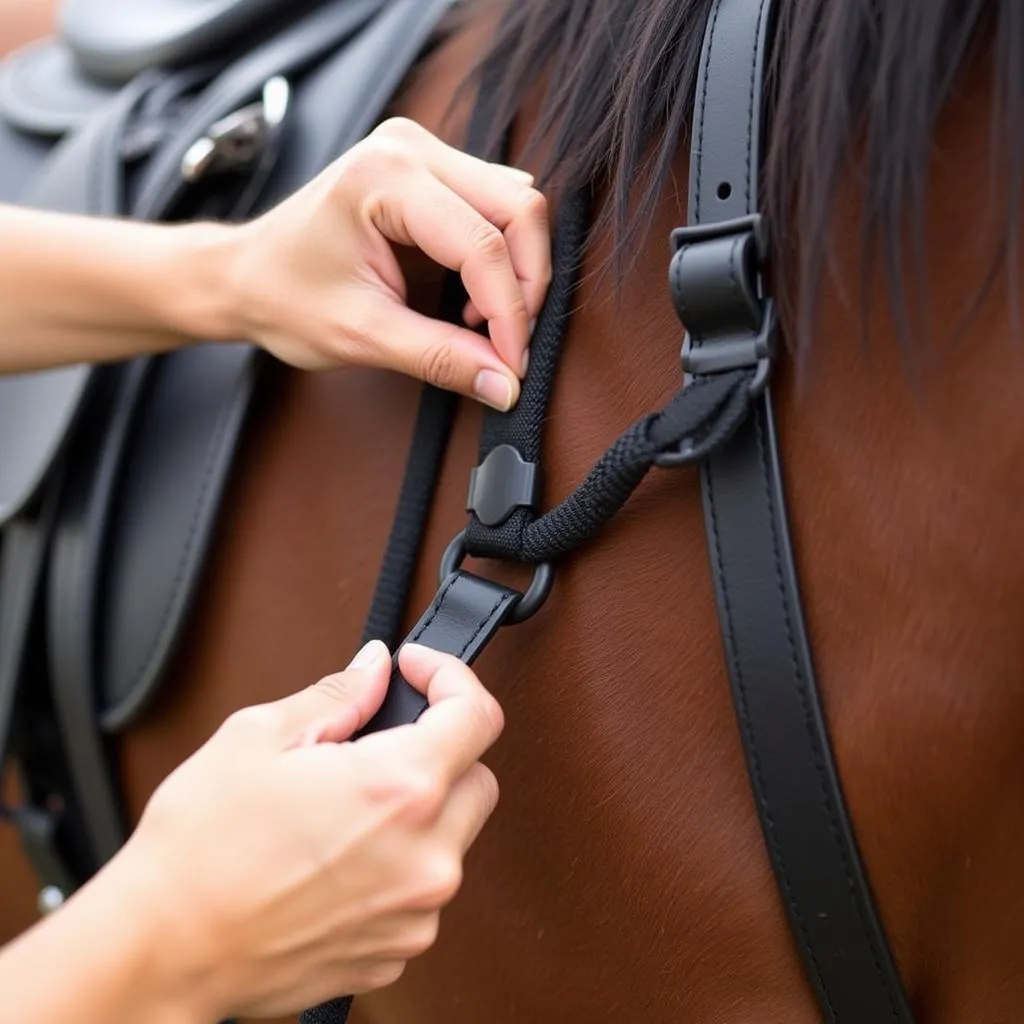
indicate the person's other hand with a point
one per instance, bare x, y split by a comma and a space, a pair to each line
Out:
280, 866
319, 284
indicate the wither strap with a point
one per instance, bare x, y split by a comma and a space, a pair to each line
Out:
806, 826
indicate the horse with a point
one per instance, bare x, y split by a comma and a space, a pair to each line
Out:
624, 875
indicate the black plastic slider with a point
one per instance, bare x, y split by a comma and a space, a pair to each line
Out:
503, 482
716, 286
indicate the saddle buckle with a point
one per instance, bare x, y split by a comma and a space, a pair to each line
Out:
238, 140
717, 287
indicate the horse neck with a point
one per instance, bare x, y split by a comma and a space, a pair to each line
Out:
904, 465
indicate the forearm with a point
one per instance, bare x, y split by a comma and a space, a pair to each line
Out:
99, 960
80, 289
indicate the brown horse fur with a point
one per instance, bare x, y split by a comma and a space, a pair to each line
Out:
623, 877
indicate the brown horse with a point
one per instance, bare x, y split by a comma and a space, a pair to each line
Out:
624, 876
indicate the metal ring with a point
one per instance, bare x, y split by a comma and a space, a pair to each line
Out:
528, 604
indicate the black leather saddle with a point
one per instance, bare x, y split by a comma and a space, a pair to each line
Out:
111, 477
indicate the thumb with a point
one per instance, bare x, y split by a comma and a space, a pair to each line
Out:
445, 355
331, 710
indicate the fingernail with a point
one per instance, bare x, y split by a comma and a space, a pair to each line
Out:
495, 389
526, 363
421, 657
372, 653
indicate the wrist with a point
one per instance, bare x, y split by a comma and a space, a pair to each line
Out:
197, 294
166, 971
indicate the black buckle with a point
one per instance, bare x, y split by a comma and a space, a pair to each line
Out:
717, 289
528, 605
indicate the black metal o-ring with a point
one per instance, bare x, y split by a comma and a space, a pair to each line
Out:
528, 604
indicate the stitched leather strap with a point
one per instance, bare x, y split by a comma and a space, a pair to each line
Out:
799, 799
461, 620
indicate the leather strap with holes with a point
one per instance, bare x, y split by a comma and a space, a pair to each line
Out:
806, 826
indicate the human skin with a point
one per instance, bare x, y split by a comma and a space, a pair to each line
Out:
315, 281
280, 865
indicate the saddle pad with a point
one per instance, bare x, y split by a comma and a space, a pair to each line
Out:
44, 92
114, 40
188, 422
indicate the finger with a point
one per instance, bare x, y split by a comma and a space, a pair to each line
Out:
462, 720
471, 316
440, 353
519, 210
471, 803
504, 195
334, 708
420, 210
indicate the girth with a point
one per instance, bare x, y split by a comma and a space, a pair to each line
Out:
722, 422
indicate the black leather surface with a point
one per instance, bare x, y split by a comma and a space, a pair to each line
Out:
44, 92
461, 620
171, 478
75, 566
799, 799
37, 409
118, 39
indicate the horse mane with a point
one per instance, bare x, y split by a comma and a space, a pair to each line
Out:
854, 86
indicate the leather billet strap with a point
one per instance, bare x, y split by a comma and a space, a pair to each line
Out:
461, 620
799, 799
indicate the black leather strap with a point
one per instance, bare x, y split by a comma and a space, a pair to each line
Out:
461, 620
799, 799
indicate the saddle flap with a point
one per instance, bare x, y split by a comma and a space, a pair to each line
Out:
114, 40
182, 444
44, 92
156, 518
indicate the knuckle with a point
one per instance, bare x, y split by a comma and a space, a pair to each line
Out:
380, 975
440, 878
493, 716
255, 720
419, 937
487, 718
489, 789
390, 157
378, 158
337, 686
439, 365
400, 128
535, 206
362, 327
488, 242
420, 791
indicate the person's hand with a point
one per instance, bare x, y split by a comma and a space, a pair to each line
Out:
280, 866
318, 283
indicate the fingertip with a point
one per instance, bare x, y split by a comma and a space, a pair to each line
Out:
374, 654
498, 390
424, 666
523, 177
419, 663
